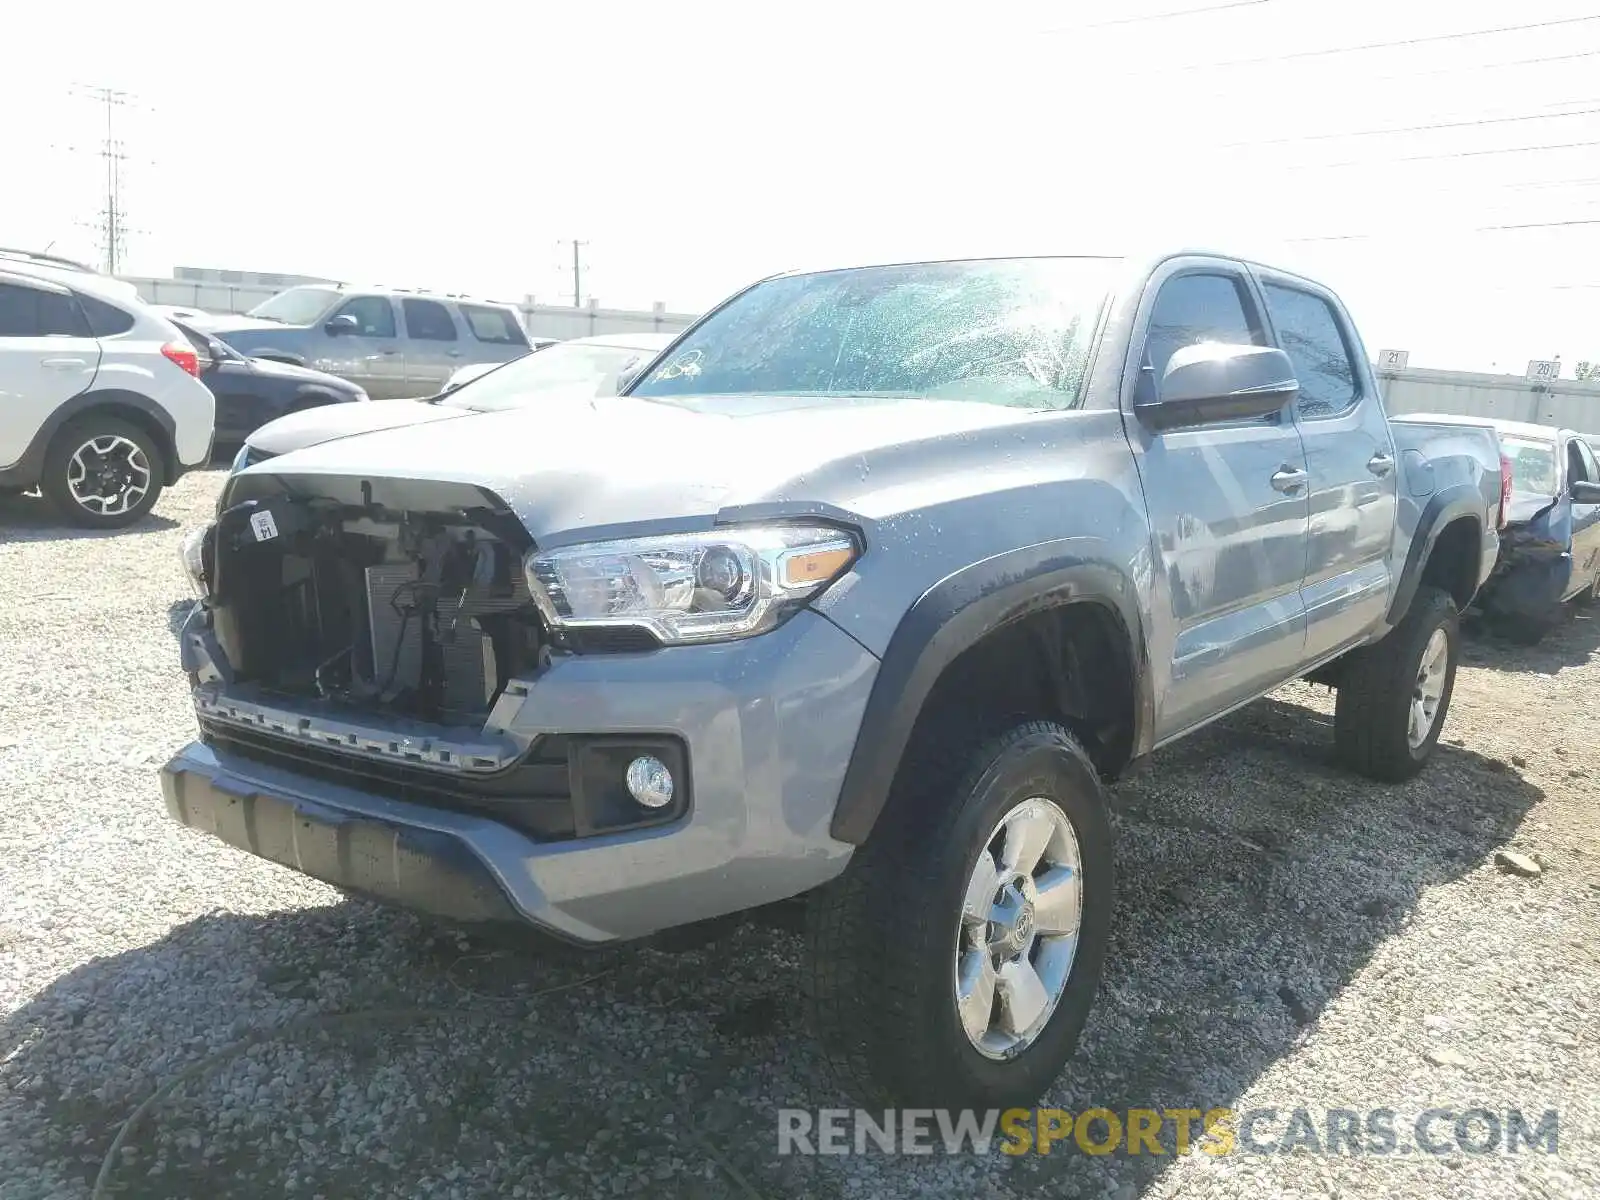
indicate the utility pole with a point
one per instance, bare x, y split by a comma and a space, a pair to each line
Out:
577, 273
113, 225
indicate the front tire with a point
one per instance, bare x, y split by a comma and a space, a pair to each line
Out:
102, 473
1394, 695
954, 962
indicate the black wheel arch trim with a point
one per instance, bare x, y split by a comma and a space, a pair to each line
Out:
1443, 509
26, 470
951, 617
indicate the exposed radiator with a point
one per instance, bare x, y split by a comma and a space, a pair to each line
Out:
470, 675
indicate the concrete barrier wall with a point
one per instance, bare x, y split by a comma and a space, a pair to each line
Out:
1569, 403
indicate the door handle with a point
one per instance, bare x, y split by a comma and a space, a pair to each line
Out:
1289, 479
453, 353
386, 353
64, 364
1381, 463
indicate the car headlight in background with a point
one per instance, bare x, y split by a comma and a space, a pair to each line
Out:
192, 552
692, 587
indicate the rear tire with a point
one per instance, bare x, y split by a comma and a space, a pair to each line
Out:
1394, 695
102, 473
892, 942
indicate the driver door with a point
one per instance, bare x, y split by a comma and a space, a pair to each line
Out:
371, 356
1229, 512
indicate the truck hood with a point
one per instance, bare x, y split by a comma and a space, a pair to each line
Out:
275, 369
223, 326
330, 422
569, 470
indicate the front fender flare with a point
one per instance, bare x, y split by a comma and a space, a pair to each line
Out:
954, 615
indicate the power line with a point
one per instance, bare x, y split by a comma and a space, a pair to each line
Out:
1323, 137
1163, 16
1366, 237
1365, 46
1491, 66
1367, 162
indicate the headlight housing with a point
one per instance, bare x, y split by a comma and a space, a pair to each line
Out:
694, 587
192, 552
241, 460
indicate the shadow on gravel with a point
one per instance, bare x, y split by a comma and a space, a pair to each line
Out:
177, 613
31, 518
1572, 642
1255, 881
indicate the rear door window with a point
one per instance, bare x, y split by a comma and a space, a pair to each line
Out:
428, 320
374, 315
1310, 334
31, 312
493, 325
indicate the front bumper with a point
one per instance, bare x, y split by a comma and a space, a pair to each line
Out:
768, 725
1528, 582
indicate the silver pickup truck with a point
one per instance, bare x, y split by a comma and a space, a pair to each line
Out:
856, 597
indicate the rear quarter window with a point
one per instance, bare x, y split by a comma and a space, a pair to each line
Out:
105, 320
494, 325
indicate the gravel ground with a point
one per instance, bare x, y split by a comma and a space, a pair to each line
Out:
1287, 937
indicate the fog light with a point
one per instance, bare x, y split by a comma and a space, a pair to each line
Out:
649, 781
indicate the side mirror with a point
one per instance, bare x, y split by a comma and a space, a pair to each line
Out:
1585, 492
343, 323
629, 373
1220, 382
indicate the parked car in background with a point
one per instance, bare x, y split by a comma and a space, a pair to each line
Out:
390, 342
578, 369
854, 597
101, 405
1550, 547
252, 391
473, 371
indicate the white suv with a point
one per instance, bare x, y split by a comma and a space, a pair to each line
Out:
101, 405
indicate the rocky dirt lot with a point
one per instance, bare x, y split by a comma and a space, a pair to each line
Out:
1288, 937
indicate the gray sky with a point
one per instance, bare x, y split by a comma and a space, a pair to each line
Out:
697, 145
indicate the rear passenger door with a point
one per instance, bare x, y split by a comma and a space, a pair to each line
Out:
433, 345
1227, 505
47, 357
1351, 461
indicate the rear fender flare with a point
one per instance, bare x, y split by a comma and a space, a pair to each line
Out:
1445, 507
954, 615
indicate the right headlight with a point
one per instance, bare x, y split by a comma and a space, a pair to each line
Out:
694, 587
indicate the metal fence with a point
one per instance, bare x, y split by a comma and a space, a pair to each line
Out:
540, 320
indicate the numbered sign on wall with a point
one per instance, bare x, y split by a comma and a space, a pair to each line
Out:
1542, 370
1393, 360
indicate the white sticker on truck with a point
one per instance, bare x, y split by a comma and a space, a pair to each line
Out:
264, 526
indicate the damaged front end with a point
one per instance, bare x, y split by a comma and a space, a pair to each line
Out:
1534, 570
387, 627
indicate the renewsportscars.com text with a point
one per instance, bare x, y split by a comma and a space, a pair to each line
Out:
1168, 1131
